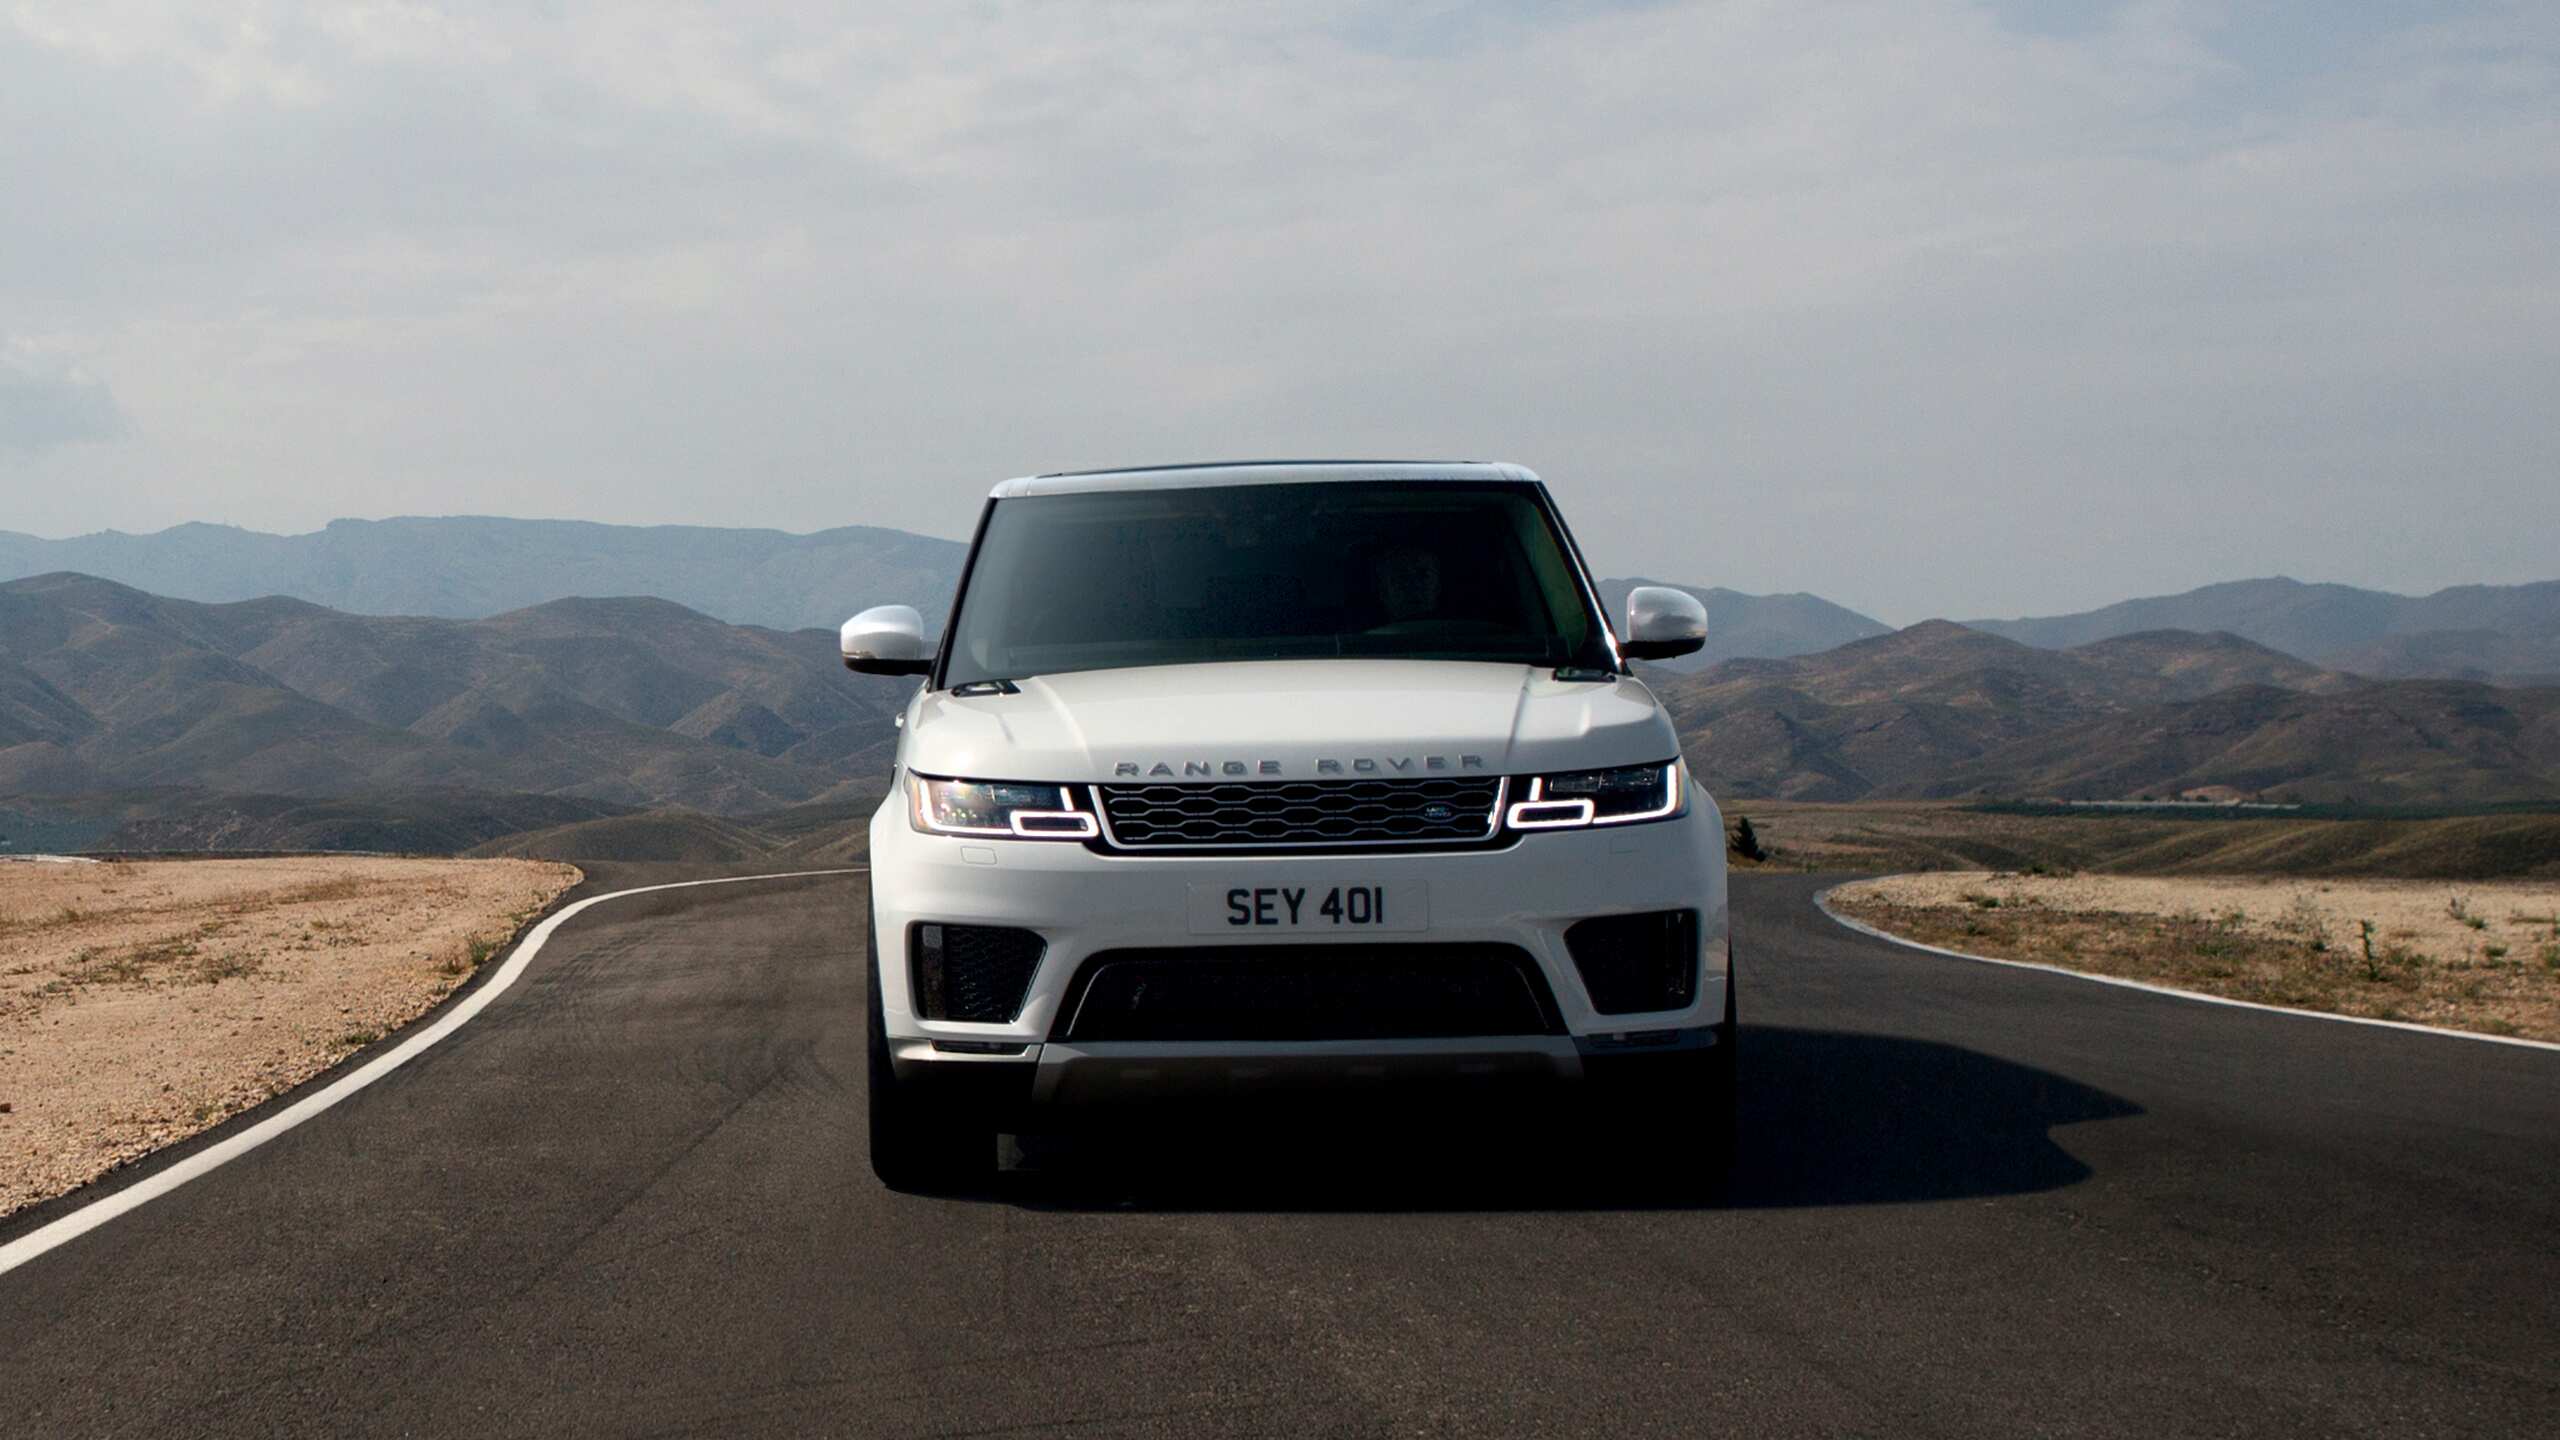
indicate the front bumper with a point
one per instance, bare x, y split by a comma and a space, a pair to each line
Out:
1082, 902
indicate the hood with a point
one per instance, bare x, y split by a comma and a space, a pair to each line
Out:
1288, 720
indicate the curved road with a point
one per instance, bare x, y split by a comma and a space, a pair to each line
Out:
631, 1198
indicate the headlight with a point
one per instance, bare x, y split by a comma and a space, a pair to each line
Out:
997, 809
1601, 797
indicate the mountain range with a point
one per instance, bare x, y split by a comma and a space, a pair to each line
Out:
635, 702
2469, 632
475, 567
277, 723
1941, 710
469, 567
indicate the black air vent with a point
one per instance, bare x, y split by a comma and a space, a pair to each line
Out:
1308, 992
1636, 963
972, 972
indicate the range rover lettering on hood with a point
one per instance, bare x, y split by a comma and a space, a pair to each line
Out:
1354, 765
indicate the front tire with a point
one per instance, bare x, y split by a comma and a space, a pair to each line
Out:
918, 1145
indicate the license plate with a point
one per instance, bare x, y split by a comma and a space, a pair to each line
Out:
1238, 909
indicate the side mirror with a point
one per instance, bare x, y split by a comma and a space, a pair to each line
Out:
1662, 622
885, 640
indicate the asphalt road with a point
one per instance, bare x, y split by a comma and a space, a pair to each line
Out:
631, 1198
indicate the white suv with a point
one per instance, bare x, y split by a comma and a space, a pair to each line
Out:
1233, 777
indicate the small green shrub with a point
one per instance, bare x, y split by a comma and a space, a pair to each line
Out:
2306, 919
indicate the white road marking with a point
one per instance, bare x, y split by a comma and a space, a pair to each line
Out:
1822, 901
98, 1212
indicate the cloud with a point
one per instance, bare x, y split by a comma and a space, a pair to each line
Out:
47, 401
1781, 296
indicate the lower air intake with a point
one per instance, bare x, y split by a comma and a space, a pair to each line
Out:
1632, 964
972, 972
1308, 992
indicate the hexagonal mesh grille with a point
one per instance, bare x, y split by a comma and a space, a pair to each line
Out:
973, 972
1446, 810
1632, 963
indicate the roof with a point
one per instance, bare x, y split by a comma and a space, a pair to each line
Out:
1256, 472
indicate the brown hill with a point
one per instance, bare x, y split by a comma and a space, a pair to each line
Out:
424, 823
2182, 665
658, 835
2505, 632
1944, 710
2432, 741
2529, 659
632, 702
1893, 714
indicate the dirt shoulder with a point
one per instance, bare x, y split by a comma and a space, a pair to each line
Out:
1879, 836
143, 1002
2482, 957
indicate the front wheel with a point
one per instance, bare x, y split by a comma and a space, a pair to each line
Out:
918, 1145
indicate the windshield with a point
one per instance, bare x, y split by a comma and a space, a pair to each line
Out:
1384, 569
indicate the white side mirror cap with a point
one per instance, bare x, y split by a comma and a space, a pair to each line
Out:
885, 640
1663, 622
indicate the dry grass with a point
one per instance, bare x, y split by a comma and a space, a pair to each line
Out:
142, 1002
1923, 835
2482, 957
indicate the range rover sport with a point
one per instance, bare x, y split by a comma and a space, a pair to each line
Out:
1236, 777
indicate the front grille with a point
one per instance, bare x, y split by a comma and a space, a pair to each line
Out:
972, 972
1635, 963
1308, 992
1443, 810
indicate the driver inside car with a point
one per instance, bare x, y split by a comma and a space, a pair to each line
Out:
1406, 580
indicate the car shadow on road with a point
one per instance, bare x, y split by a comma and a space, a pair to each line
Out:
1827, 1118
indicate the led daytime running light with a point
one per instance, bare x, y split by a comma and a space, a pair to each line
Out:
1058, 819
1542, 811
1539, 813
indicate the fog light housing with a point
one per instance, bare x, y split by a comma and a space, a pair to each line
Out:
1636, 964
977, 973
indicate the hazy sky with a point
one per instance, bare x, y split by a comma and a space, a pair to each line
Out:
1929, 307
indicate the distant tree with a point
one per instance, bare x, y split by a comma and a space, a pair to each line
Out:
1746, 841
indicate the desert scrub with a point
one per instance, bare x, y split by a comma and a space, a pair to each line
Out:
2389, 950
2306, 919
237, 979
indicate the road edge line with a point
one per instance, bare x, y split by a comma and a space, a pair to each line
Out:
213, 1157
1822, 902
